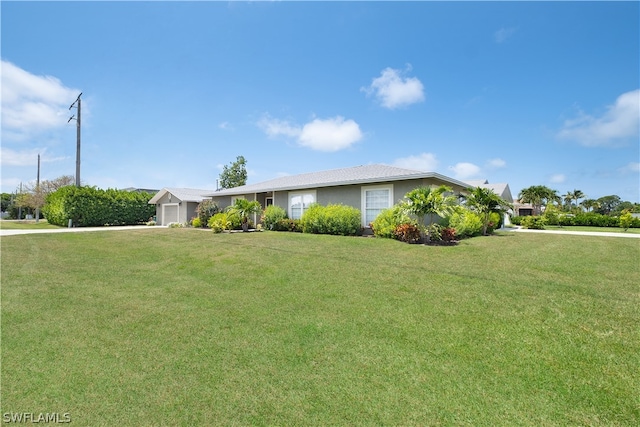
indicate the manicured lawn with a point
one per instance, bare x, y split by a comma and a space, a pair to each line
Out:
596, 229
26, 224
184, 327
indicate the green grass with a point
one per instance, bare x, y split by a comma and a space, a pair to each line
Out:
596, 229
26, 224
185, 327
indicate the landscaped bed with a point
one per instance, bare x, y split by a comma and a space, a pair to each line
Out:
180, 327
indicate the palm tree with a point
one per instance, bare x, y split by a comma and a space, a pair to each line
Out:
427, 201
484, 201
589, 204
538, 195
577, 195
567, 198
244, 208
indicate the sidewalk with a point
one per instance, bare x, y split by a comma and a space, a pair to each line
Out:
78, 229
579, 233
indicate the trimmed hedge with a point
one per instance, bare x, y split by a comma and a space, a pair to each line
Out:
90, 206
340, 220
585, 219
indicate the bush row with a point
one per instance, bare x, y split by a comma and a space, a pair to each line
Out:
90, 206
587, 219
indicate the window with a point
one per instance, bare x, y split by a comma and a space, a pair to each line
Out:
374, 200
299, 202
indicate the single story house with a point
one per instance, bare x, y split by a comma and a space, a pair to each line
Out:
177, 204
369, 188
501, 189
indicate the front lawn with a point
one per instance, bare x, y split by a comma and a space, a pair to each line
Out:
186, 327
26, 224
596, 229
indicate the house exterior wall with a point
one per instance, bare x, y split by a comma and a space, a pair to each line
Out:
350, 195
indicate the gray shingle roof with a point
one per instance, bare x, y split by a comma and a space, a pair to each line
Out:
345, 176
184, 194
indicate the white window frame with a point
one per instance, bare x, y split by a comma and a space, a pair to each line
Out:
300, 193
363, 198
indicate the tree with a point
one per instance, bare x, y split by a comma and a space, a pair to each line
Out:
243, 208
234, 175
484, 201
568, 198
589, 204
424, 201
608, 204
577, 195
538, 195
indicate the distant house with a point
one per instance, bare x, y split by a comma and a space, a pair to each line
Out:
177, 204
369, 188
501, 190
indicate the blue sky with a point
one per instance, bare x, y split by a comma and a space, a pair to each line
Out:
535, 93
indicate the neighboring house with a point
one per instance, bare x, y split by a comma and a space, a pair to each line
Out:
501, 190
369, 188
140, 190
522, 209
177, 204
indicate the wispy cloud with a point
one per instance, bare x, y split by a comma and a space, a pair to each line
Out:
423, 162
496, 163
620, 122
503, 34
32, 104
28, 157
332, 134
393, 89
464, 170
631, 167
557, 178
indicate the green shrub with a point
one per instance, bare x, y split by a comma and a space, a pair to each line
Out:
517, 220
220, 222
195, 222
338, 220
494, 222
552, 215
205, 210
626, 219
272, 217
465, 222
534, 222
90, 206
176, 225
388, 221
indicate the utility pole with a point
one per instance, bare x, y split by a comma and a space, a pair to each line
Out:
79, 102
37, 198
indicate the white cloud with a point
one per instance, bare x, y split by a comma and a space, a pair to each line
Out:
332, 134
631, 167
225, 126
29, 157
422, 162
275, 127
31, 104
503, 34
393, 90
496, 163
619, 122
465, 170
558, 178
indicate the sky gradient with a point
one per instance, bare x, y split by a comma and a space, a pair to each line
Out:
534, 93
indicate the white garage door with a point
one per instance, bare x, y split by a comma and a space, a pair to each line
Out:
169, 213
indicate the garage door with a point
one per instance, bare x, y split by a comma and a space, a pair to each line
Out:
169, 214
